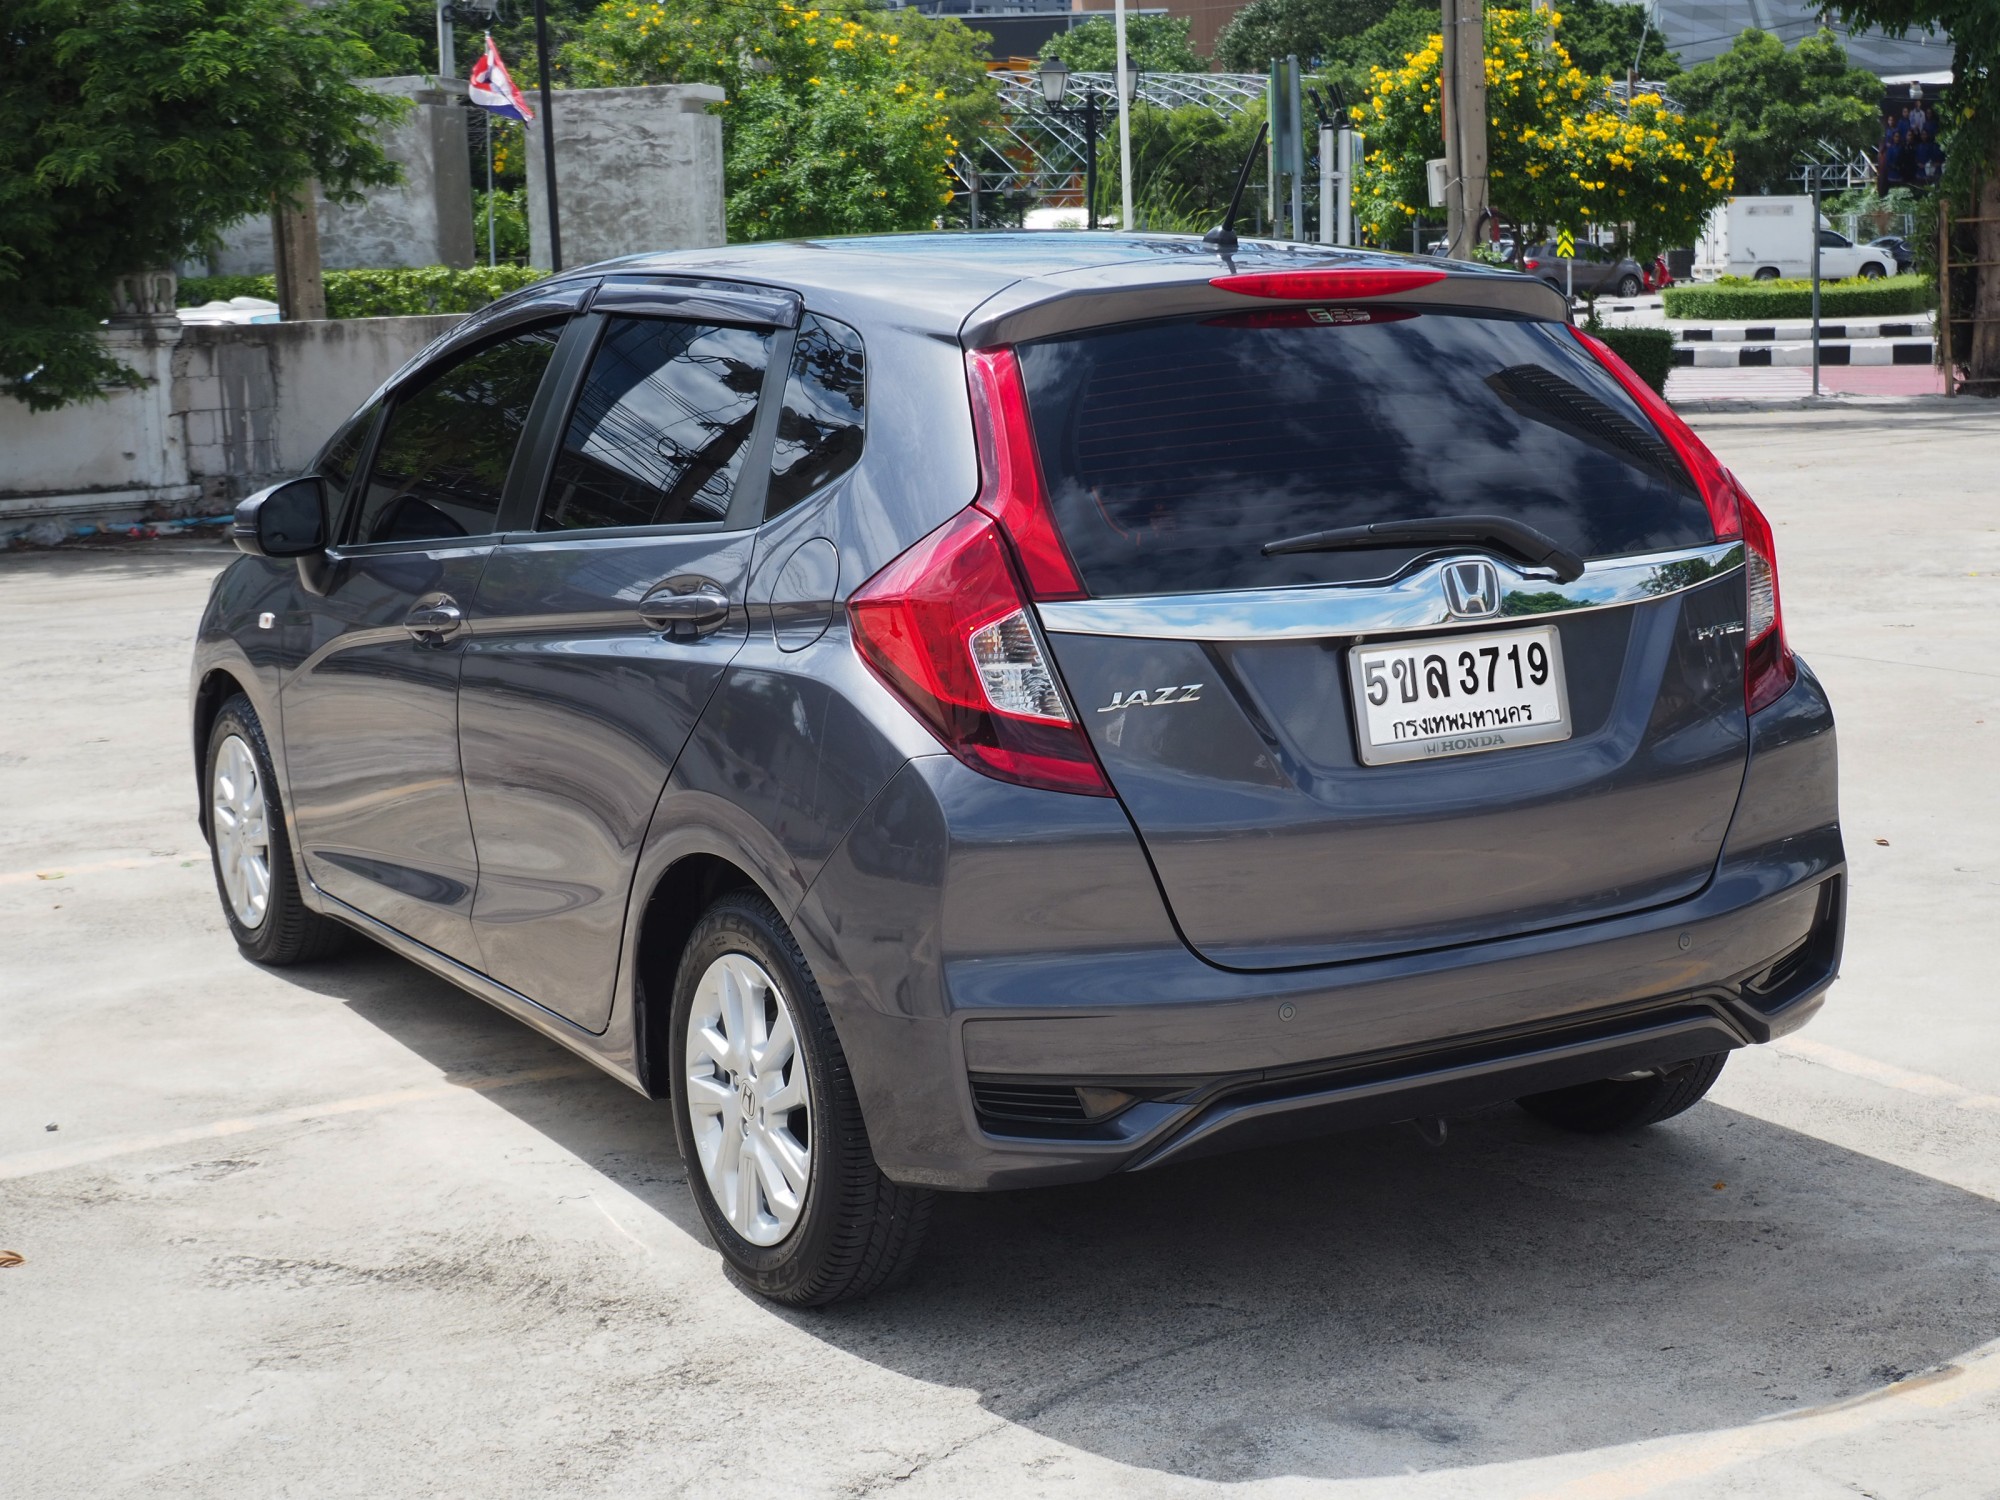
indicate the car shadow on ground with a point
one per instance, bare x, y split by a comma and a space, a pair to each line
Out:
1363, 1305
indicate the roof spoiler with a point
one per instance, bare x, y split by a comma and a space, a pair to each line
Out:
1045, 306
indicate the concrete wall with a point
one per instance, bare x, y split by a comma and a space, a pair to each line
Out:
636, 170
425, 220
227, 408
257, 400
115, 457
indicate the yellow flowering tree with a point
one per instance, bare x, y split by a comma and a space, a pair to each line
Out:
838, 118
1561, 153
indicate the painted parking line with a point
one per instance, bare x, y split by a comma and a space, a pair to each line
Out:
59, 1158
1972, 1377
1806, 1049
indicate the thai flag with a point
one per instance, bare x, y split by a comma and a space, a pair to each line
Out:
491, 86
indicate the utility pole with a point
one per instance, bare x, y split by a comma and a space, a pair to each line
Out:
1454, 212
1125, 91
295, 257
548, 124
1463, 91
447, 60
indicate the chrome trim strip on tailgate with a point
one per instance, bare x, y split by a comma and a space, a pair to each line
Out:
1416, 601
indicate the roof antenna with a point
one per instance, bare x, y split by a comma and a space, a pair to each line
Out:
1222, 238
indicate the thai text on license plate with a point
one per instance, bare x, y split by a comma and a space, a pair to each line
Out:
1458, 695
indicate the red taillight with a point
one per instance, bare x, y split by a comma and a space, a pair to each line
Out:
948, 628
1718, 490
1328, 286
1010, 474
1769, 669
1768, 666
1532, 264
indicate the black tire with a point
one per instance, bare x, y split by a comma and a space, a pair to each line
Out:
1767, 273
1629, 286
1618, 1104
288, 932
857, 1232
1873, 271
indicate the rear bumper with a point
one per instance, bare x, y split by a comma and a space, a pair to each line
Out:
972, 951
1268, 1105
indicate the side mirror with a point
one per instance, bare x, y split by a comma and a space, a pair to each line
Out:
286, 520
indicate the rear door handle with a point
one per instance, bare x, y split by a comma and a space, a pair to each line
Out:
434, 619
691, 613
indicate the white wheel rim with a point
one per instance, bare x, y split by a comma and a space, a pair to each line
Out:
240, 824
748, 1106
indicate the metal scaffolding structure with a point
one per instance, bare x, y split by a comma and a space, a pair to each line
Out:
1043, 150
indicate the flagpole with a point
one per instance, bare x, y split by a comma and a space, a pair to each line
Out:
548, 133
492, 254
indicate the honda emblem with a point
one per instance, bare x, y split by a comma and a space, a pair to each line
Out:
1472, 589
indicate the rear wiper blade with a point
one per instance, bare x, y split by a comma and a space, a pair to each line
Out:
1502, 534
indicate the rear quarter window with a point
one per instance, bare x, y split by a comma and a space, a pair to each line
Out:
1173, 451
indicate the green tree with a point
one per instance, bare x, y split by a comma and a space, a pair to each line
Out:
1184, 166
1350, 61
1602, 37
1970, 135
132, 133
839, 118
1773, 105
1560, 152
1159, 43
1265, 29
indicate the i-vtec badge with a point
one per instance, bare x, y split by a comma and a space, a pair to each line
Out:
1154, 698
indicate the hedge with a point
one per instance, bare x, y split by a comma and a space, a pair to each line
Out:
378, 294
1739, 297
1649, 351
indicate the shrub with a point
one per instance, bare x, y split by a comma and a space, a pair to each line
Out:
1737, 297
1649, 351
379, 294
510, 224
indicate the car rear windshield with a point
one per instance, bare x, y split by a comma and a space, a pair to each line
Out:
1173, 451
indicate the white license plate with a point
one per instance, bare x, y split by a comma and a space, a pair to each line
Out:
1458, 695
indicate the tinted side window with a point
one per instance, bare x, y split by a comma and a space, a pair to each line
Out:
1173, 452
444, 456
660, 428
820, 429
338, 458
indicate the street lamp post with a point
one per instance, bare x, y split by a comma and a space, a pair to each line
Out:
1054, 78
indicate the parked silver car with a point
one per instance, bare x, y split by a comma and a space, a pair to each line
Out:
1590, 272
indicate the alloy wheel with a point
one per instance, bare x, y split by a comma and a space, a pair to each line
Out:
239, 819
748, 1106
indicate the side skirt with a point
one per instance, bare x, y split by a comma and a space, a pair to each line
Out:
583, 1043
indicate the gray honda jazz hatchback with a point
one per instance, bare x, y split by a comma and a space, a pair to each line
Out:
970, 712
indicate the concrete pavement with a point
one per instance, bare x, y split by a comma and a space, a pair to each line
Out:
344, 1231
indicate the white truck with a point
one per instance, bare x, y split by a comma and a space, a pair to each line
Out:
1769, 237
